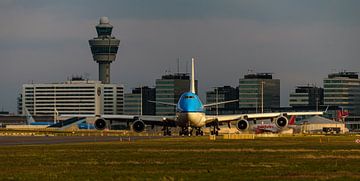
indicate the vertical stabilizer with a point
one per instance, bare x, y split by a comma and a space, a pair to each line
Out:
29, 118
192, 86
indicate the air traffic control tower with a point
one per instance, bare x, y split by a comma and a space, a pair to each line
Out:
104, 49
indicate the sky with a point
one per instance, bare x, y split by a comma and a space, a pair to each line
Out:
300, 41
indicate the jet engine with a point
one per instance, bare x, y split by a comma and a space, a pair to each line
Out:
138, 126
101, 124
242, 125
281, 122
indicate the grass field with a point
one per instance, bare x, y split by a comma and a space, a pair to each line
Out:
283, 158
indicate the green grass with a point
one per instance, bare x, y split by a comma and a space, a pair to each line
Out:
283, 158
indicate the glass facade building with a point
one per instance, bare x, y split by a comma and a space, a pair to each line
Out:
307, 96
259, 89
169, 89
343, 89
220, 94
137, 102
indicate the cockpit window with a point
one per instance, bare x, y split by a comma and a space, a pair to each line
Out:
189, 97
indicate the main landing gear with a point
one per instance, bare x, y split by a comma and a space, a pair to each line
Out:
215, 130
199, 132
189, 131
185, 131
167, 131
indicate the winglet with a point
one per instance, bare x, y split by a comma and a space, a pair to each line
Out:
192, 86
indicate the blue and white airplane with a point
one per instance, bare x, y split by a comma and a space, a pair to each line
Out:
190, 115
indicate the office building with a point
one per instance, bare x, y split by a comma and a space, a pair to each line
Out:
220, 94
104, 49
307, 96
169, 89
259, 91
343, 89
76, 96
137, 102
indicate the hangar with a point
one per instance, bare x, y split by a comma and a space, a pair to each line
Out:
318, 124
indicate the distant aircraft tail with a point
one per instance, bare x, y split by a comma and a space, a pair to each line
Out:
29, 118
292, 120
341, 114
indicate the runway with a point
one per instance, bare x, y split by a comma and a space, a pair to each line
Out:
34, 140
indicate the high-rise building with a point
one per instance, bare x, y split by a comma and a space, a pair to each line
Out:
137, 102
76, 96
220, 94
169, 89
259, 91
343, 89
307, 96
104, 49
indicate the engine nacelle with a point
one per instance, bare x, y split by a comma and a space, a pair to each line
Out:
101, 124
138, 126
281, 122
242, 125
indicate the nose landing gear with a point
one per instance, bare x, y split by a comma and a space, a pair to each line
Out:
185, 131
167, 131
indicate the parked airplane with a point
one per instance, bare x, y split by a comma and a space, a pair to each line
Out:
267, 126
190, 115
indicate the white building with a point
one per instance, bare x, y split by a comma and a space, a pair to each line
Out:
77, 96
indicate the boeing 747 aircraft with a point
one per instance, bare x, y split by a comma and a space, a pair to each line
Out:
190, 116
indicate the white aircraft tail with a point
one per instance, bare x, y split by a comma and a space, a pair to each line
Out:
29, 118
192, 79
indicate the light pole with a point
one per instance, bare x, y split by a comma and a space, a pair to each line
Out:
217, 100
262, 96
141, 101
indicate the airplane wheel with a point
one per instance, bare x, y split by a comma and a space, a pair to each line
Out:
167, 133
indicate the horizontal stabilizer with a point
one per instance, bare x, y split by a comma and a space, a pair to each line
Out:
217, 103
164, 103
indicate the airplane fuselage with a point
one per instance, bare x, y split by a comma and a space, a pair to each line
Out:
190, 111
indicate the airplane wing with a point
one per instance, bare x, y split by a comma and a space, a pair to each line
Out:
229, 118
146, 119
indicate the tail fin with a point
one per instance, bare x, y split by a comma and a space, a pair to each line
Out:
29, 118
292, 120
192, 86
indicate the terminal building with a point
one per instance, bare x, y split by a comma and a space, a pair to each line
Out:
169, 89
76, 96
259, 91
137, 102
220, 94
